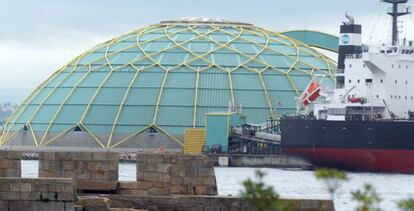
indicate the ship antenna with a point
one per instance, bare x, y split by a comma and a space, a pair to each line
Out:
395, 12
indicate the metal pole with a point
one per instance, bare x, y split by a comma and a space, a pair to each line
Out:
394, 24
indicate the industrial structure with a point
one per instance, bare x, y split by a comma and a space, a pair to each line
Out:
143, 89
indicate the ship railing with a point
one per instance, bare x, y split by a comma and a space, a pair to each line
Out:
298, 117
400, 9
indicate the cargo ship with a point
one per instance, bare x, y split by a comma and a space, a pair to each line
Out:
366, 123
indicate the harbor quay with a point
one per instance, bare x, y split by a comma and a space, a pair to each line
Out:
89, 181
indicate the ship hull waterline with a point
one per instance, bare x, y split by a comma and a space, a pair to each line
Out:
355, 146
367, 160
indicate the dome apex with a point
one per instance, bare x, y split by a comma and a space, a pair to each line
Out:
203, 21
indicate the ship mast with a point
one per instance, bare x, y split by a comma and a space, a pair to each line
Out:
395, 13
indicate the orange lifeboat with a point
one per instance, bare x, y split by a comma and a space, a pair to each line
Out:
311, 93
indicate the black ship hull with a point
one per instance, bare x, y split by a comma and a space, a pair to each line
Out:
381, 146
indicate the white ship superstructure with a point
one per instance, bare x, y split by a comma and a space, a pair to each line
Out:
373, 82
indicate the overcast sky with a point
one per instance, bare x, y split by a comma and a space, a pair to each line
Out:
37, 37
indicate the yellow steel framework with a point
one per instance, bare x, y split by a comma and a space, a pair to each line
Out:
269, 36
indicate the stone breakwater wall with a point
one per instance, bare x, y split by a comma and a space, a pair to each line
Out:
186, 202
36, 194
166, 174
98, 166
164, 182
10, 164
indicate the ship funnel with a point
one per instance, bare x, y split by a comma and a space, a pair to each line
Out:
349, 41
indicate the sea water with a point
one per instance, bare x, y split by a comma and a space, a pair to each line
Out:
291, 183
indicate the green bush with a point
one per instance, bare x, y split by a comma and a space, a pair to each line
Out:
261, 196
406, 205
368, 199
333, 179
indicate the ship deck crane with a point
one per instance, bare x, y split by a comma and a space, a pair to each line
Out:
392, 115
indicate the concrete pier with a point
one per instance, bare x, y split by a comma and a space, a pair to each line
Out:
271, 161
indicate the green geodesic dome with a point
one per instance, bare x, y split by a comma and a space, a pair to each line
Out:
166, 77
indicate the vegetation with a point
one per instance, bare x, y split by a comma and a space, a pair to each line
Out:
368, 199
261, 196
6, 109
333, 179
407, 204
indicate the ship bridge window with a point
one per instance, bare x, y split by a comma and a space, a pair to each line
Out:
368, 80
382, 80
358, 81
382, 51
395, 81
406, 82
399, 66
340, 82
406, 66
403, 51
389, 51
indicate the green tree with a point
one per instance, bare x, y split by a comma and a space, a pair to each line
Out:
368, 199
406, 204
261, 196
333, 179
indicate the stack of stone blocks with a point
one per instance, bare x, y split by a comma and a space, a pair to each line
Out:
167, 174
10, 164
98, 166
36, 194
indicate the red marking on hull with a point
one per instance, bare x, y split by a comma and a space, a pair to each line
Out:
371, 160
